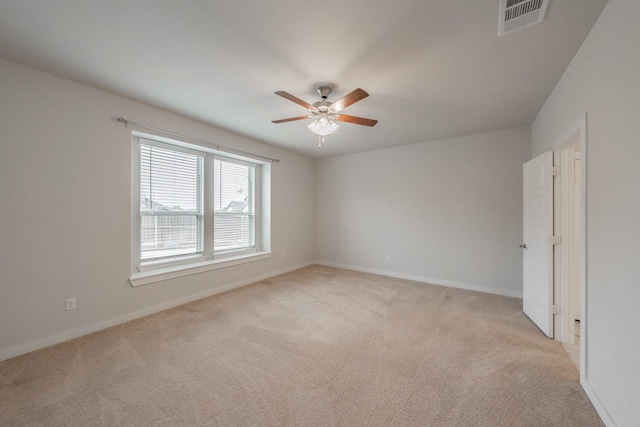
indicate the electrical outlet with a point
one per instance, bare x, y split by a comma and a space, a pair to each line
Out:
71, 304
387, 258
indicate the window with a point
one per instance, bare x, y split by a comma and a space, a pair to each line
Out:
194, 207
171, 214
234, 205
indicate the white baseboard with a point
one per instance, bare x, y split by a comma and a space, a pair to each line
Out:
423, 279
597, 404
97, 326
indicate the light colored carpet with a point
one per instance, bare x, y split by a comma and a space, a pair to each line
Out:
316, 347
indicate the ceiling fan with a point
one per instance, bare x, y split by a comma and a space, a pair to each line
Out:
325, 113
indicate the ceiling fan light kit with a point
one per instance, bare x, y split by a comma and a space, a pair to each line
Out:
324, 125
325, 113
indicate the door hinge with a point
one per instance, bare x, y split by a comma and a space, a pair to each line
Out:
555, 171
555, 240
555, 309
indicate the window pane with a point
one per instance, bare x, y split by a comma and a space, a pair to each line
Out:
170, 202
234, 202
165, 235
169, 180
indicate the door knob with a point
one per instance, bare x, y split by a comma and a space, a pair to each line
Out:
523, 246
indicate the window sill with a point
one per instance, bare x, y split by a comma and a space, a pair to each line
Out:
161, 274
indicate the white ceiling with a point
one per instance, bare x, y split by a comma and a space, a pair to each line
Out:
434, 69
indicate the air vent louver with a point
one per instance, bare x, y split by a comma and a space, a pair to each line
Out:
517, 14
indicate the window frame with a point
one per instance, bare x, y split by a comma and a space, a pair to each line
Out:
144, 272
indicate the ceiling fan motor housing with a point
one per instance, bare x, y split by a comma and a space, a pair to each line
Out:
322, 106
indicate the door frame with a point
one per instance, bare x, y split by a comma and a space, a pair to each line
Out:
565, 255
562, 145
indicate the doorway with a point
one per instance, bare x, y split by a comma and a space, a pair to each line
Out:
561, 298
567, 257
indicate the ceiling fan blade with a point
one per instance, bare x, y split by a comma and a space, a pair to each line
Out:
296, 100
291, 119
349, 99
356, 120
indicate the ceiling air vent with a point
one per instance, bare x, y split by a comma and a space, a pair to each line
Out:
517, 14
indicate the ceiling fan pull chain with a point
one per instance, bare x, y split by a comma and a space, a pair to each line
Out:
320, 141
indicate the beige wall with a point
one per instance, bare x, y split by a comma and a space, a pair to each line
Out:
603, 80
65, 186
446, 212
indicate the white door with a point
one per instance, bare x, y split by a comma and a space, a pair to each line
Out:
537, 247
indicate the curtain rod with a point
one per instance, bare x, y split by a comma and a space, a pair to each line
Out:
200, 141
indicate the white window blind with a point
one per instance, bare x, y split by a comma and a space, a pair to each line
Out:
234, 205
170, 202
